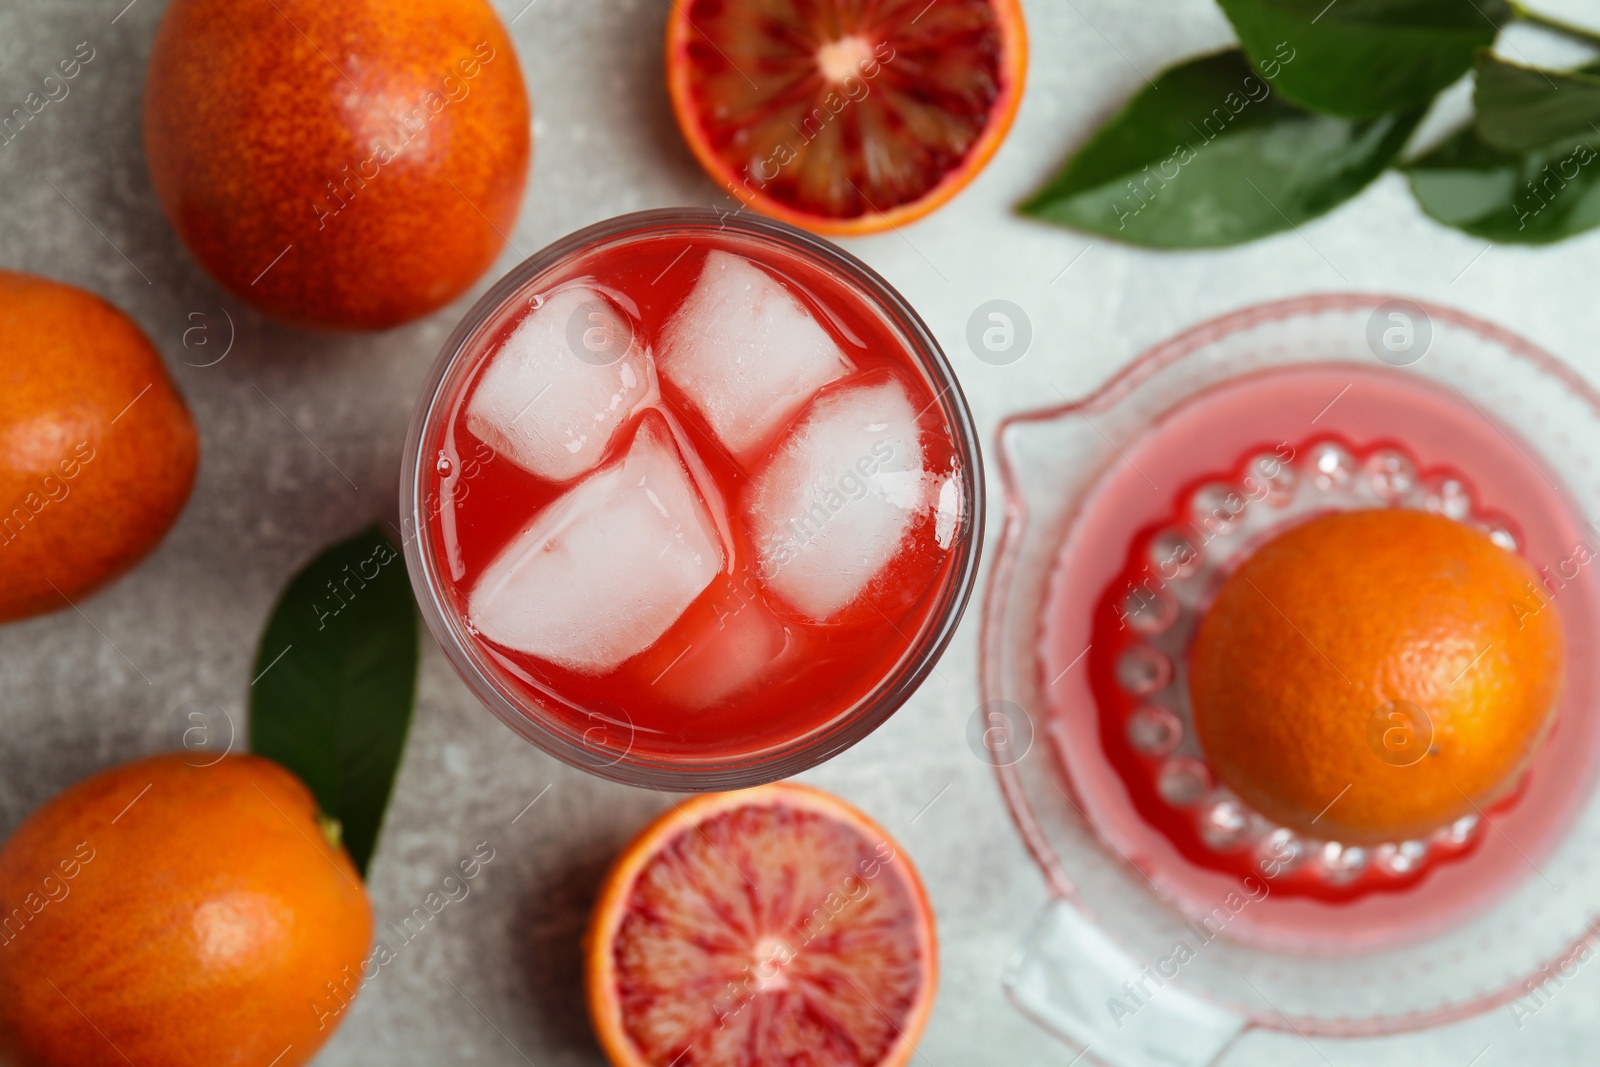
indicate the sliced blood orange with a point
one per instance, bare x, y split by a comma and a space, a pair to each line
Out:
766, 926
845, 116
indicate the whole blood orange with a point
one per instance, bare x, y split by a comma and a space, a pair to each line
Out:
171, 915
338, 163
769, 925
841, 116
97, 450
1373, 675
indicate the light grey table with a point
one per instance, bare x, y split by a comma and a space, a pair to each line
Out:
495, 979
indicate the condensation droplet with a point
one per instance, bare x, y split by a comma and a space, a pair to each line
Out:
1499, 533
1342, 863
1217, 506
1279, 852
1401, 858
1392, 474
1448, 497
1224, 824
1143, 670
1270, 470
1154, 731
1149, 611
1183, 782
1173, 555
1333, 465
1460, 831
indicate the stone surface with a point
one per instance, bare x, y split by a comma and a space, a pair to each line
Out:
302, 437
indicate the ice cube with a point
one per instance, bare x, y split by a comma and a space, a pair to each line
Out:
831, 508
569, 375
725, 646
603, 571
746, 354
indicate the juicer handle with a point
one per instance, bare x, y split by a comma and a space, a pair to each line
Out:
1071, 978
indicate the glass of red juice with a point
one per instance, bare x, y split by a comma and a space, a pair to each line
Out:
692, 500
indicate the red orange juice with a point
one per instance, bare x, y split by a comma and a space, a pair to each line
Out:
697, 495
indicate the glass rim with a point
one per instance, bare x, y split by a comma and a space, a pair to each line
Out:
677, 773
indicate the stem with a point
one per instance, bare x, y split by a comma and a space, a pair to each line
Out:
332, 829
1565, 29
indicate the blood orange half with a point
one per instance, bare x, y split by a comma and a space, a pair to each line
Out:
845, 116
769, 925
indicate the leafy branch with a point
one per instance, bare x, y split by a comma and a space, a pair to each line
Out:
1316, 102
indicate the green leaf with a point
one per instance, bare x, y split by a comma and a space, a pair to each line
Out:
1361, 59
1211, 155
336, 675
1522, 108
1533, 197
